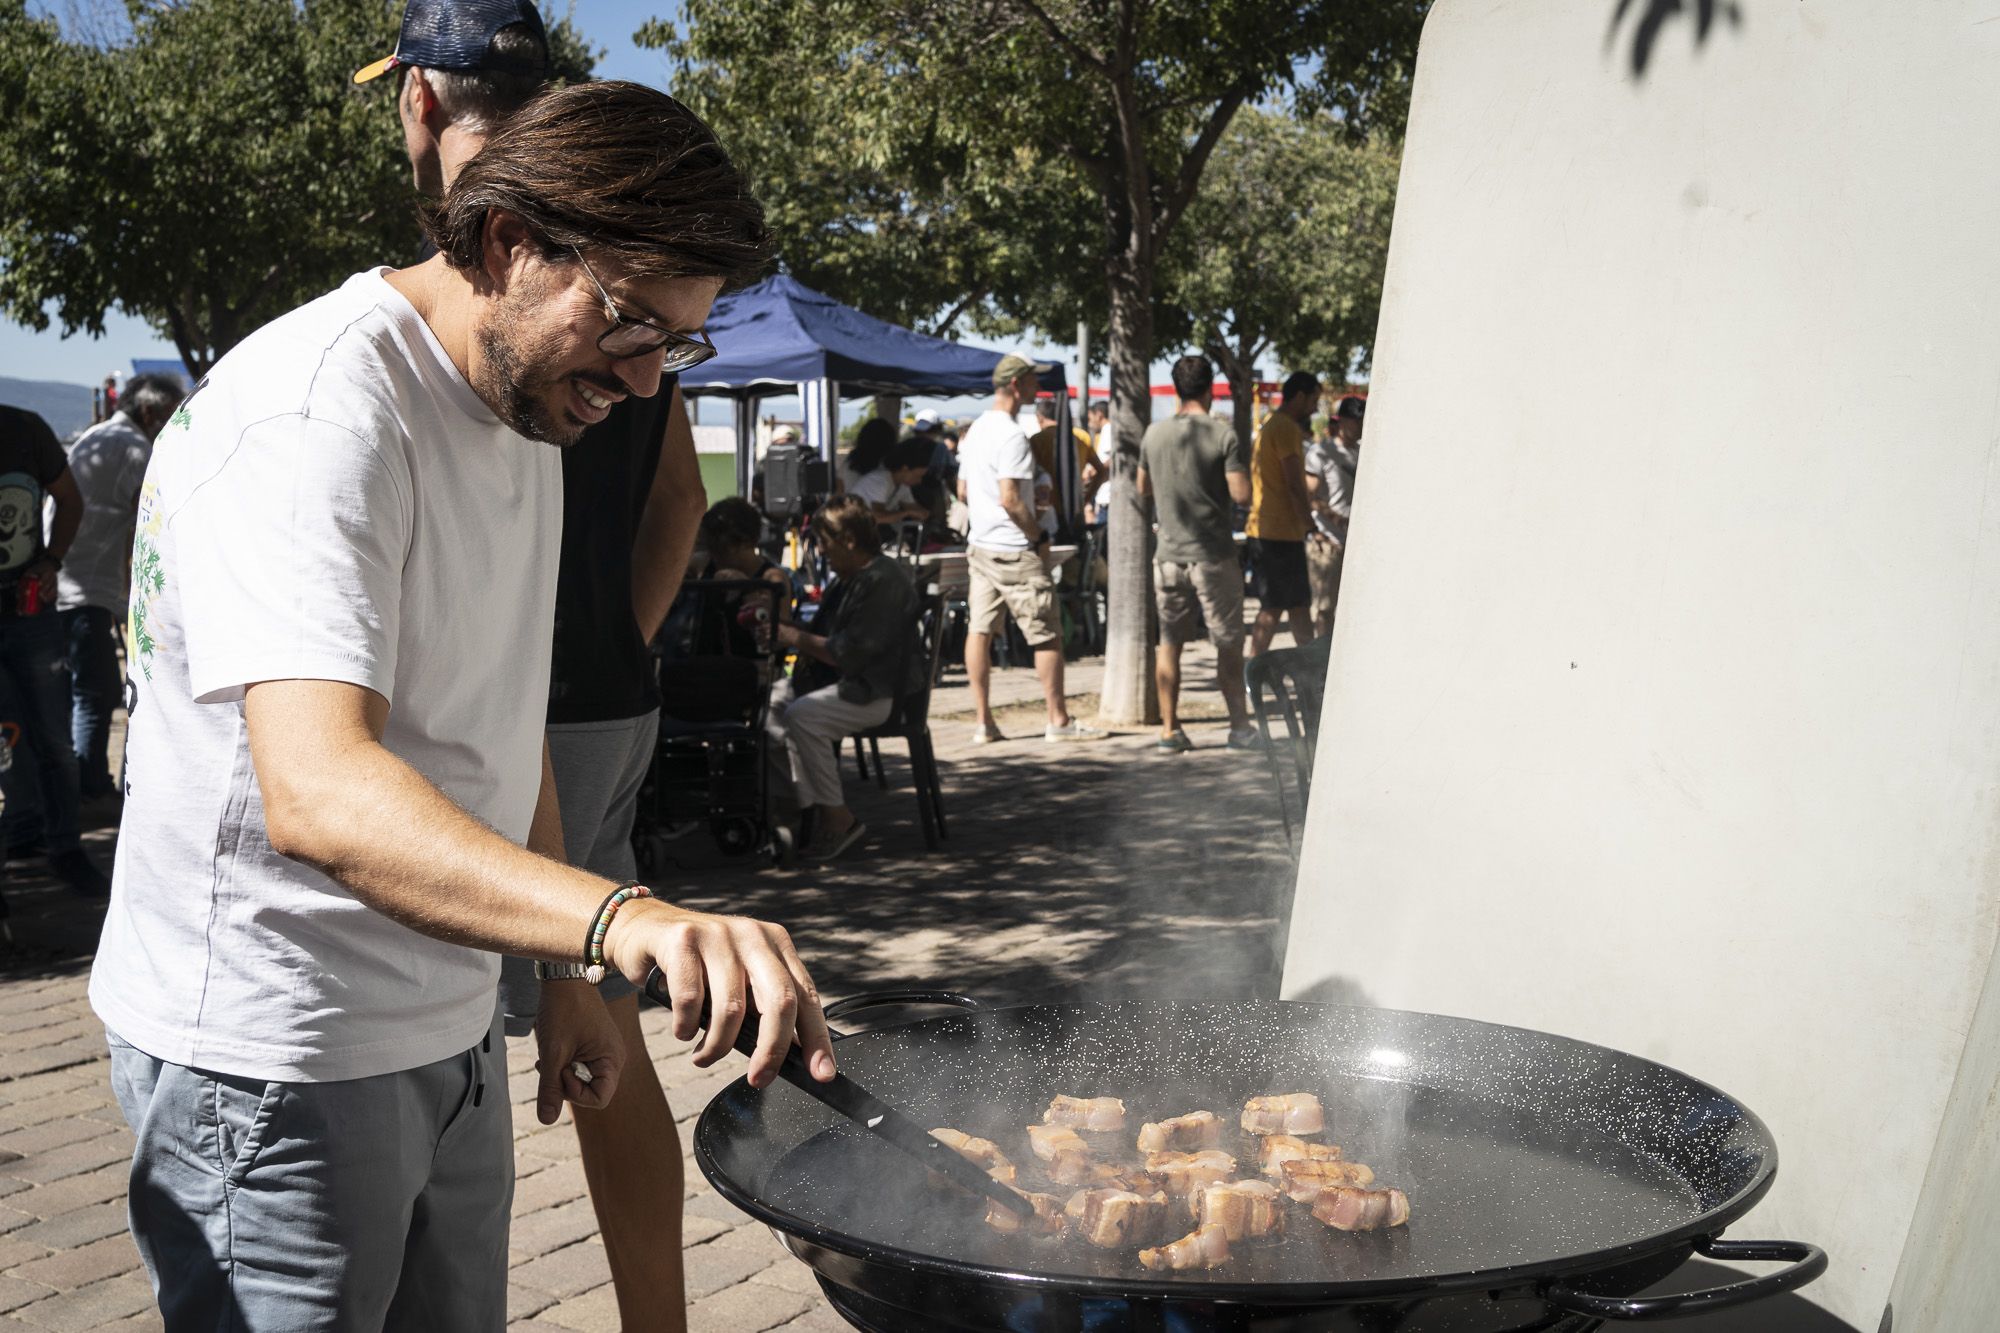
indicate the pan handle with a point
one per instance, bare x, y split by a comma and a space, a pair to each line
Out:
882, 999
1807, 1262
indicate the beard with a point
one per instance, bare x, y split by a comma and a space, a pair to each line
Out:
512, 379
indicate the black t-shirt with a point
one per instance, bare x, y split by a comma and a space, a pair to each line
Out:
602, 670
30, 458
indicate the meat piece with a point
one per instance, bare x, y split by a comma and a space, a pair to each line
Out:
983, 1153
1361, 1210
1277, 1149
1184, 1172
1242, 1208
1137, 1179
1112, 1219
1063, 1152
1048, 1219
1092, 1113
1304, 1180
1204, 1247
1289, 1113
1183, 1133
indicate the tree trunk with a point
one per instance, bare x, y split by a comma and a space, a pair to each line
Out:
1241, 372
1128, 696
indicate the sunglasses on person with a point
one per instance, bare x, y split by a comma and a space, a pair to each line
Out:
628, 337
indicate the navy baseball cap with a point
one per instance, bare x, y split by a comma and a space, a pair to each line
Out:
458, 35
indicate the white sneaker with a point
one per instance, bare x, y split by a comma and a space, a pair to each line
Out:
986, 735
1075, 731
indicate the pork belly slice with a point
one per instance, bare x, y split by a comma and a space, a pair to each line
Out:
1204, 1247
1304, 1180
1112, 1219
983, 1153
1277, 1149
1183, 1133
1185, 1172
1244, 1209
1092, 1113
1124, 1176
1346, 1209
1287, 1113
1063, 1153
1048, 1219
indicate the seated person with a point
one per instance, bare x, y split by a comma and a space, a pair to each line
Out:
848, 677
706, 626
870, 450
886, 487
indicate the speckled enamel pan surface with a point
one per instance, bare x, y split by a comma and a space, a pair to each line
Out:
1524, 1155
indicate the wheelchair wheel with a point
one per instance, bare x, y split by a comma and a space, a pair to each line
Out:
734, 835
783, 849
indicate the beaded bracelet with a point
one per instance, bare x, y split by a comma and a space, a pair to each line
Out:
593, 947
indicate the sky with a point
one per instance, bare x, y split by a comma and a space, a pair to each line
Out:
609, 24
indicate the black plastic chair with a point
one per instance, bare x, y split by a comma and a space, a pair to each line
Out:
1287, 688
910, 721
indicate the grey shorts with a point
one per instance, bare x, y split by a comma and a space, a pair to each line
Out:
1216, 585
599, 769
371, 1203
1012, 583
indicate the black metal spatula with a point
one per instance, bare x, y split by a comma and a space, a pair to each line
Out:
867, 1110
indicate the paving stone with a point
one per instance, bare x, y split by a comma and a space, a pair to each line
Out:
73, 1159
62, 1080
147, 1321
53, 1106
80, 1267
546, 1189
10, 1185
14, 1293
51, 1035
78, 1191
80, 1226
570, 1271
695, 1228
533, 1326
819, 1319
712, 1267
750, 1308
15, 1251
12, 1218
51, 1134
552, 1228
525, 1302
710, 1204
20, 1064
593, 1312
91, 1307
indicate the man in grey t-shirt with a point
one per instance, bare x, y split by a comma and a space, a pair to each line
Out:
1194, 469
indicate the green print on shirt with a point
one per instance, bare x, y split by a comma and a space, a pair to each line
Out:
149, 578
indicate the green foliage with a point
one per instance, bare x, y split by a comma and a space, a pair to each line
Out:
209, 171
929, 157
1284, 246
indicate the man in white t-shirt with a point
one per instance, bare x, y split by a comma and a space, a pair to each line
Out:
339, 806
1330, 469
1007, 556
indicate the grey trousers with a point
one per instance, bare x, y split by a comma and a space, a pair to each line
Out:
599, 768
371, 1203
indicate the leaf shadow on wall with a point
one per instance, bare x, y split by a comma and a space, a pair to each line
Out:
1655, 15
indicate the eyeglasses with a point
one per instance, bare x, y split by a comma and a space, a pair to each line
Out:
629, 337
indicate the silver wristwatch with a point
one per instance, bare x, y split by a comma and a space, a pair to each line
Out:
567, 972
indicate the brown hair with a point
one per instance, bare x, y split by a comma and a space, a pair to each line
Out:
613, 168
733, 520
848, 518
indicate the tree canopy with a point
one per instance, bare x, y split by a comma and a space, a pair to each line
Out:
208, 169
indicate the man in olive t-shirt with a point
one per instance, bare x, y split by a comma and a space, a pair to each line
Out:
1192, 467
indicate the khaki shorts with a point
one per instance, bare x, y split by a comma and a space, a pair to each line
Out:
1323, 561
1016, 583
1217, 585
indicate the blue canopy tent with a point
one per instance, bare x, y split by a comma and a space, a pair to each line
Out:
781, 337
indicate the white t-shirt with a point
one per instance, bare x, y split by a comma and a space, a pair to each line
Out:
335, 503
995, 448
108, 462
879, 488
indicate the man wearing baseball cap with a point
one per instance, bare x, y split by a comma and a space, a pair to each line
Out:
1007, 555
632, 506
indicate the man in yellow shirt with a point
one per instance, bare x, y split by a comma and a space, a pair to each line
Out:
1280, 515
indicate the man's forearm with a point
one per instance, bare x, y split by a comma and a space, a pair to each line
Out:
62, 530
668, 525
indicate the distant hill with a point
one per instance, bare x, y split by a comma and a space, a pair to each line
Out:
66, 407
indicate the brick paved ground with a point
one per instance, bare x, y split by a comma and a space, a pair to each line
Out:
1099, 869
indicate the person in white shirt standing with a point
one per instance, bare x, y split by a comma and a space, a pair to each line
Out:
108, 462
339, 807
1007, 556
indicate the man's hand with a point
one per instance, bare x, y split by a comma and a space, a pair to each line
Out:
574, 1028
736, 965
